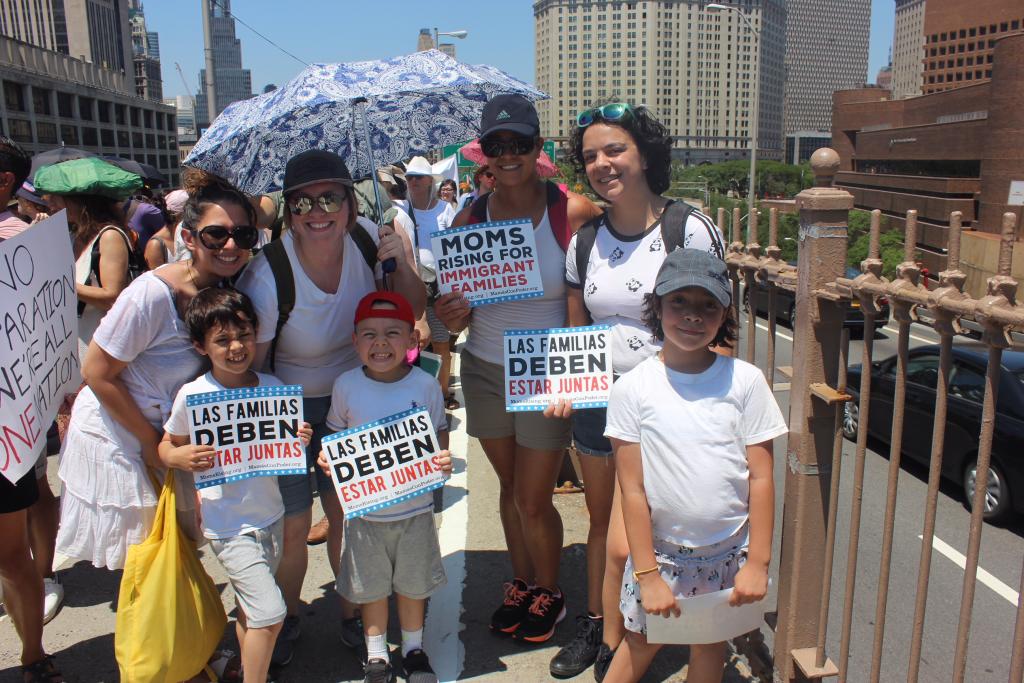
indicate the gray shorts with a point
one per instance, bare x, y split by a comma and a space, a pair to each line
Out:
250, 561
483, 386
378, 558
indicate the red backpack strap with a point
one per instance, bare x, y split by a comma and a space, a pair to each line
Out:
558, 214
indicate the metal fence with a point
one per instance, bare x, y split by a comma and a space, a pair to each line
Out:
818, 399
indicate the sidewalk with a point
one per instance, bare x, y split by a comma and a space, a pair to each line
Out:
457, 637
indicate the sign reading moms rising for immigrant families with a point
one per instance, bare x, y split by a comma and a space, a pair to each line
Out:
573, 363
39, 353
384, 462
255, 431
488, 262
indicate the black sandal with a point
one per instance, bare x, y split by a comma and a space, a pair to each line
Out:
42, 671
450, 402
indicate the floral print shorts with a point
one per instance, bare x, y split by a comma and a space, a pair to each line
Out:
687, 571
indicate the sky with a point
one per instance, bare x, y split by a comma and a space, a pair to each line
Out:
500, 34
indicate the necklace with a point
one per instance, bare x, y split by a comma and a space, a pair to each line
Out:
191, 277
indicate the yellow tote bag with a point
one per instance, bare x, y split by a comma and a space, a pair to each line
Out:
169, 614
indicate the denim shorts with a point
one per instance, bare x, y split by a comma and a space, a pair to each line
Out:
250, 560
588, 432
297, 489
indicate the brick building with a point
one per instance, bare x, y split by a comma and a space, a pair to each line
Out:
956, 150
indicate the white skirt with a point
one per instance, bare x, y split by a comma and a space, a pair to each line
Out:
108, 501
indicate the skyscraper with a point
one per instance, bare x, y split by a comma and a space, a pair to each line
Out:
98, 32
145, 55
39, 23
232, 82
826, 50
908, 49
695, 69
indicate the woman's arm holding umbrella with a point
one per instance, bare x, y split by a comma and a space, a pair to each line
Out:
404, 280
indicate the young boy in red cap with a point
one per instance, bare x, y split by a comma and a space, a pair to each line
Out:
394, 549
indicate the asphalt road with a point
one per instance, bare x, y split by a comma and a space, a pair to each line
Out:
471, 541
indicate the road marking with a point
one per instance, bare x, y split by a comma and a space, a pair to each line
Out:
444, 611
777, 333
912, 336
957, 558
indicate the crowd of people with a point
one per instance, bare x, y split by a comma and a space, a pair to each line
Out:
206, 289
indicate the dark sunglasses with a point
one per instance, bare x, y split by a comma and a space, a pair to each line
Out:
612, 111
519, 145
330, 202
487, 174
216, 236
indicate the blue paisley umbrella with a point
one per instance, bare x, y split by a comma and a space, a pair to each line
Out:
410, 105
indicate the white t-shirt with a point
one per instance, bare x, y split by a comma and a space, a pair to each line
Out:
693, 430
359, 400
427, 221
143, 330
316, 342
237, 507
489, 322
621, 271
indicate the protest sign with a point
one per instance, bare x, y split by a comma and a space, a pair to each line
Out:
488, 262
384, 462
255, 431
39, 361
573, 363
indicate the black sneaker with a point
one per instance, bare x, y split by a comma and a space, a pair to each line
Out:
604, 660
352, 636
284, 646
545, 611
378, 671
416, 667
574, 658
506, 618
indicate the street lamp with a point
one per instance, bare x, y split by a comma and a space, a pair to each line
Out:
716, 7
453, 34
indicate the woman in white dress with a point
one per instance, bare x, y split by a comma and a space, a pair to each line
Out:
139, 357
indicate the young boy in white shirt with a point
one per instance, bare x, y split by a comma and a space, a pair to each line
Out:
242, 519
394, 549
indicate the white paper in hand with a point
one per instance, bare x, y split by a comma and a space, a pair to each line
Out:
705, 619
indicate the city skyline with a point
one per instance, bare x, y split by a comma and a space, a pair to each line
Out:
330, 38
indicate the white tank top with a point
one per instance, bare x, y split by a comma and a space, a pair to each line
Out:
489, 322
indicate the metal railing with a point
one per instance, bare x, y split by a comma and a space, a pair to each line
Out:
818, 399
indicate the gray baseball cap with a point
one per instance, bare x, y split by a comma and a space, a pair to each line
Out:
694, 268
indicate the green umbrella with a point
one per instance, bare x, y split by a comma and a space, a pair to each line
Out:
87, 176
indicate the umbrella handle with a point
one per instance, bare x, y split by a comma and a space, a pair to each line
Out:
388, 265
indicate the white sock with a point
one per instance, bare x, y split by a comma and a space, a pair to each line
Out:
376, 647
411, 640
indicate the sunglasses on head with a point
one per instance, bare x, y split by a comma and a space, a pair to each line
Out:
330, 202
612, 111
216, 236
496, 147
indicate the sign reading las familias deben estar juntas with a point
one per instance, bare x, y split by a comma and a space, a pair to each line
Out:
573, 363
384, 462
488, 262
255, 431
39, 353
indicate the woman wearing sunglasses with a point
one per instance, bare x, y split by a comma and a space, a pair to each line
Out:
525, 449
137, 360
626, 155
328, 248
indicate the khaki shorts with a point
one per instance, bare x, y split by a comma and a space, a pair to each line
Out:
483, 386
378, 558
250, 561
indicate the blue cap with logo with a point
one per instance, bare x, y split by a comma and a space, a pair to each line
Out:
694, 268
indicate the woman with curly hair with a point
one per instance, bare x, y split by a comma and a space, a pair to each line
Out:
137, 360
626, 155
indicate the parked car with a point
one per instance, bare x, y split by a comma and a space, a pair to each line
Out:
1005, 493
785, 305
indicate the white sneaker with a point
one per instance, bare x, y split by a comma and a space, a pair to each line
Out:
53, 596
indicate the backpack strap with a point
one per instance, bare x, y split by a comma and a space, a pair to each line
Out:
367, 247
94, 260
558, 213
478, 209
284, 281
586, 236
673, 225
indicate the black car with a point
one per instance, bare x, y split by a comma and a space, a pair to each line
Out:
963, 420
785, 305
